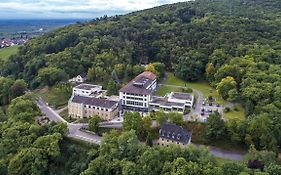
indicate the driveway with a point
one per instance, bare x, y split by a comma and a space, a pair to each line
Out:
225, 154
74, 129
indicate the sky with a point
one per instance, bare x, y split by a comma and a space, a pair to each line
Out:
78, 9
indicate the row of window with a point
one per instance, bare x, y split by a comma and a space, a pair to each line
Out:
134, 98
169, 141
97, 113
94, 107
135, 94
135, 103
167, 109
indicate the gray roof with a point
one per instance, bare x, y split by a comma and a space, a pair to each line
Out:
139, 84
94, 101
164, 102
173, 132
182, 96
83, 75
86, 86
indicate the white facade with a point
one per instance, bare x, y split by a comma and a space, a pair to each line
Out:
78, 79
134, 100
87, 90
186, 99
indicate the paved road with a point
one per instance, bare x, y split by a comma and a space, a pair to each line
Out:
223, 153
75, 132
74, 129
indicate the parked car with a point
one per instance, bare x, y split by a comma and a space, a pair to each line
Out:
210, 110
218, 105
210, 104
202, 109
202, 113
203, 103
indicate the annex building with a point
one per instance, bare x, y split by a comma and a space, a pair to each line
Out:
172, 102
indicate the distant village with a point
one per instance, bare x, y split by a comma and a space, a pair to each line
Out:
8, 42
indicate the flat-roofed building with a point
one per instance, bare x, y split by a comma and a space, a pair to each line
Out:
136, 95
173, 134
86, 107
172, 102
162, 104
87, 90
178, 97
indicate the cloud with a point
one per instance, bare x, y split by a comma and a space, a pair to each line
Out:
73, 9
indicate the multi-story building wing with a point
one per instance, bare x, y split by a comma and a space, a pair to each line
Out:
86, 107
136, 95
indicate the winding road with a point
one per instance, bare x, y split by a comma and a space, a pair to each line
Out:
76, 132
74, 129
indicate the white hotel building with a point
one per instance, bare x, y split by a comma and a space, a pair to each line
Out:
136, 95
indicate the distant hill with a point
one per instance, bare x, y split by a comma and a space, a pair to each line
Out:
31, 27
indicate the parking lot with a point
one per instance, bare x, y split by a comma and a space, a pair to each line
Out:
202, 111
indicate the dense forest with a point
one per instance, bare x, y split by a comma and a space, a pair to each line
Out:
234, 44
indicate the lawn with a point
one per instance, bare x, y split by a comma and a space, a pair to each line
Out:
201, 85
5, 53
221, 161
163, 90
237, 112
56, 97
64, 114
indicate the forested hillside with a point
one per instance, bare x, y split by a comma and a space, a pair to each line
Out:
234, 44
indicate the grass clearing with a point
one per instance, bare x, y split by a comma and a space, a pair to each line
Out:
163, 90
64, 115
5, 53
237, 113
221, 161
200, 85
56, 96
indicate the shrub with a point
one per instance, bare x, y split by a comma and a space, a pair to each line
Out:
226, 110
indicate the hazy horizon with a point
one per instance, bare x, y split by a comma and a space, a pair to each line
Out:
80, 9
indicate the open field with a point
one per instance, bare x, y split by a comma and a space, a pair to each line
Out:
221, 161
5, 53
163, 90
238, 113
56, 96
201, 85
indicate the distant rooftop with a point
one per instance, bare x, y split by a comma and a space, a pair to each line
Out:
83, 75
174, 132
140, 84
94, 101
87, 86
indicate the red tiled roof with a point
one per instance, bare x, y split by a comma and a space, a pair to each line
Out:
148, 74
146, 78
